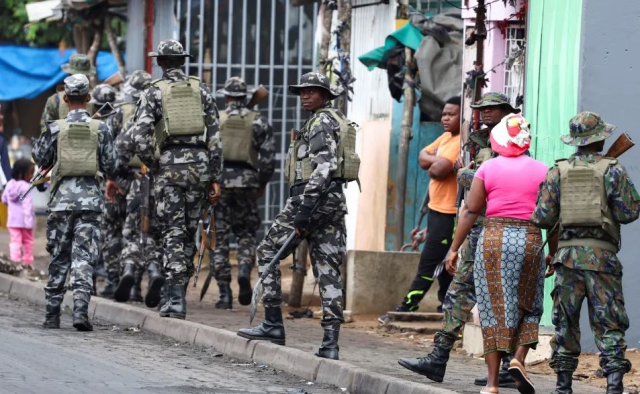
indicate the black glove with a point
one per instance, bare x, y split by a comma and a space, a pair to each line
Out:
302, 220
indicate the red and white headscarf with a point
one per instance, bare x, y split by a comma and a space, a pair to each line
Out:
511, 137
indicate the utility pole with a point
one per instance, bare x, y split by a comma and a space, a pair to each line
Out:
405, 138
344, 17
481, 35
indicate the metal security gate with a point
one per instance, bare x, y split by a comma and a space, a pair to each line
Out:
266, 42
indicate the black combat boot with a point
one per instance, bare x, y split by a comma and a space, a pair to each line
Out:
226, 297
52, 317
156, 282
271, 328
113, 279
81, 315
563, 383
614, 383
329, 348
136, 289
244, 280
504, 377
164, 296
176, 306
433, 366
127, 280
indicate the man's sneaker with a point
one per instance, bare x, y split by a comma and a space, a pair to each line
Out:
384, 319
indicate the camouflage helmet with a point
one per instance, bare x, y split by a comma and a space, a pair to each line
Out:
102, 94
76, 85
79, 64
169, 48
313, 79
493, 99
587, 128
234, 87
137, 82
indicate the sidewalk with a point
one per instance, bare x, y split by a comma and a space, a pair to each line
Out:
360, 344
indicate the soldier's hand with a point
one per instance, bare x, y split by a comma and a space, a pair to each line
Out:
111, 189
214, 193
260, 192
451, 262
458, 164
550, 268
302, 220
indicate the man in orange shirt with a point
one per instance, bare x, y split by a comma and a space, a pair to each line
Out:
437, 159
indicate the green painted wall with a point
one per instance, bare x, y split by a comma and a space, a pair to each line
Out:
553, 61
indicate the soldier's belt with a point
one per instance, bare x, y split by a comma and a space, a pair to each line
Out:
298, 189
590, 242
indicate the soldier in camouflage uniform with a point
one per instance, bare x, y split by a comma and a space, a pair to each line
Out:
138, 253
55, 107
76, 203
102, 96
186, 159
460, 298
314, 150
243, 183
586, 264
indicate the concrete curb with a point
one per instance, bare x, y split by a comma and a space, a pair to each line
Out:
290, 360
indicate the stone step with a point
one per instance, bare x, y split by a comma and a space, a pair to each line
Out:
428, 327
415, 316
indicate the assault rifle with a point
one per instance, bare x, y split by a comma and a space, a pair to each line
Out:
621, 145
145, 195
37, 179
206, 242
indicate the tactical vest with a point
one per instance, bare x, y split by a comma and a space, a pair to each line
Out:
237, 138
584, 202
483, 155
300, 170
128, 110
181, 110
77, 150
63, 107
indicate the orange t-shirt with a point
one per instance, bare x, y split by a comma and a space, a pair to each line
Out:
443, 192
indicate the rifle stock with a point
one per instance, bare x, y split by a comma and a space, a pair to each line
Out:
620, 145
259, 95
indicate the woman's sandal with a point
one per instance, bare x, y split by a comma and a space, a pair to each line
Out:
489, 390
523, 384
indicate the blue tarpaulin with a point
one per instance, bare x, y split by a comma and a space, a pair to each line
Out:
27, 72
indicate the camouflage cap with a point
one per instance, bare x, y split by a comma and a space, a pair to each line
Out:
169, 48
313, 79
137, 82
79, 64
102, 94
234, 87
76, 85
493, 99
587, 128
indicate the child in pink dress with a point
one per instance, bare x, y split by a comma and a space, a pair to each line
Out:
21, 216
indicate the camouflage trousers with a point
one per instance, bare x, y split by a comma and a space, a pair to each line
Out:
237, 212
461, 297
133, 251
178, 210
111, 238
327, 248
607, 317
72, 241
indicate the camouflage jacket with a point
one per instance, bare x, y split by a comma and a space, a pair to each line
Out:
76, 193
191, 159
51, 110
624, 201
125, 150
236, 176
477, 141
320, 134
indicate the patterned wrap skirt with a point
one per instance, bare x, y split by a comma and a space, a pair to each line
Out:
509, 283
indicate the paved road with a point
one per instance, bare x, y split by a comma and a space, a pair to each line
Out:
116, 360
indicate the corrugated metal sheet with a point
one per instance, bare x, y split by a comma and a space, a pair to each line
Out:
553, 61
370, 27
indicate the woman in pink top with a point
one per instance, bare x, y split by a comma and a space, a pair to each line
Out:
508, 268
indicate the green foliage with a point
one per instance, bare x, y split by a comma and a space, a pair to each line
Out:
14, 29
